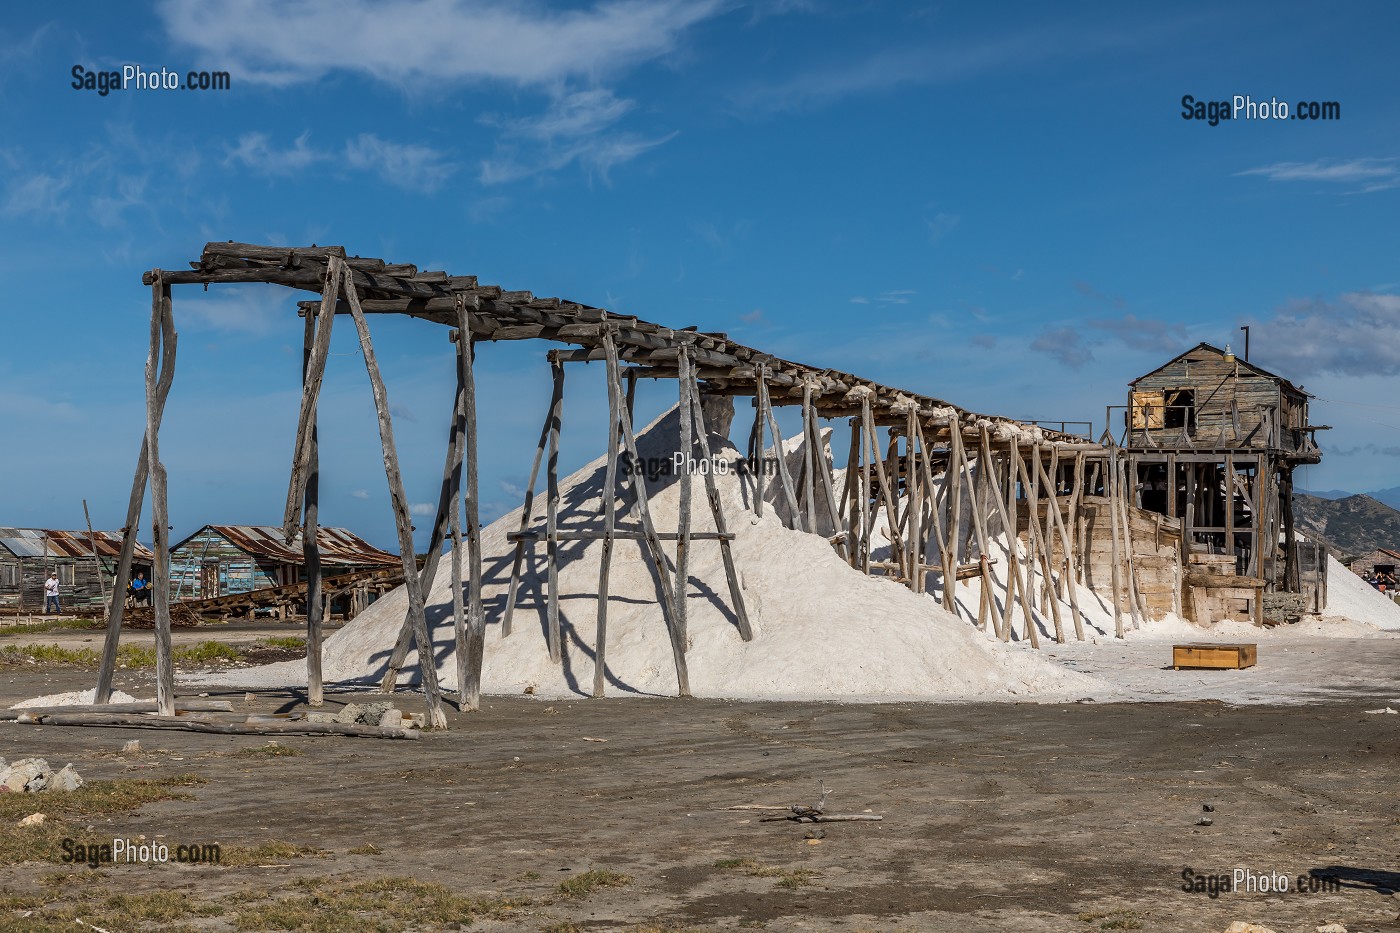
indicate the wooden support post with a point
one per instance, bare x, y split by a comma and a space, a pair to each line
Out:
886, 490
1031, 481
632, 394
976, 490
117, 606
427, 661
1024, 587
953, 477
310, 547
1075, 521
316, 349
551, 517
1230, 507
848, 495
780, 450
756, 444
653, 544
686, 385
867, 454
809, 460
162, 323
96, 561
1134, 598
1008, 522
1111, 482
609, 503
470, 695
731, 576
914, 493
828, 483
1053, 505
527, 510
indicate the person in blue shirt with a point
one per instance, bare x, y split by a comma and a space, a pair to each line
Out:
139, 589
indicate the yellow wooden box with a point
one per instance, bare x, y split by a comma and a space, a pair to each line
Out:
1219, 657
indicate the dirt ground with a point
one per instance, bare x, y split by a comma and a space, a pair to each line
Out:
997, 816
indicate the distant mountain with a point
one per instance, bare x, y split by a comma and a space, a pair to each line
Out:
1353, 526
1390, 497
1325, 493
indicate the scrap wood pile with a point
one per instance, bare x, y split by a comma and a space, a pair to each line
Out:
216, 716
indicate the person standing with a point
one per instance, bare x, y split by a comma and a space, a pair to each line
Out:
51, 593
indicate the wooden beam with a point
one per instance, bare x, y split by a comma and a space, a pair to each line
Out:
527, 510
467, 438
160, 354
316, 348
731, 576
310, 547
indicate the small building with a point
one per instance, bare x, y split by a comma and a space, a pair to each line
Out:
28, 555
221, 560
1381, 560
1213, 441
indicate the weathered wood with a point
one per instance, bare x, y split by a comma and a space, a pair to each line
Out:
1111, 482
1135, 604
686, 386
96, 561
915, 494
162, 324
1023, 586
469, 672
193, 724
731, 576
182, 705
1053, 505
117, 607
780, 450
976, 499
527, 510
756, 448
653, 545
1042, 548
427, 661
609, 495
551, 515
809, 461
310, 549
316, 350
887, 493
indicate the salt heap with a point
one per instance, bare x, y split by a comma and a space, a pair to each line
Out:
821, 629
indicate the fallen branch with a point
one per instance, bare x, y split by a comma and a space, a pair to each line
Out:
196, 724
825, 818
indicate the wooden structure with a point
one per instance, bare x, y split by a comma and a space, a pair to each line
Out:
227, 560
342, 594
1215, 657
85, 561
927, 493
1380, 562
1213, 440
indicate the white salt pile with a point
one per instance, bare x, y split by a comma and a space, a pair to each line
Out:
821, 629
72, 698
1350, 597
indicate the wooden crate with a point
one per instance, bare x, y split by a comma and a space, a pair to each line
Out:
1219, 657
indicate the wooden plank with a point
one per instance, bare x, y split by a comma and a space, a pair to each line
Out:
427, 661
182, 705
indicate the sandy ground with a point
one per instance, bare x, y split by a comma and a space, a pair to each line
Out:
1005, 816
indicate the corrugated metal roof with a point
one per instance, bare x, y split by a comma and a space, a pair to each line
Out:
50, 542
338, 545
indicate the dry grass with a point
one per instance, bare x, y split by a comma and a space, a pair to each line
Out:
786, 877
269, 853
270, 750
590, 881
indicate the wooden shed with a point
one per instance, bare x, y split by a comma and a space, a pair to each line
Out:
1381, 560
220, 560
85, 565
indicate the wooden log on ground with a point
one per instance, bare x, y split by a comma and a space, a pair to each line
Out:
193, 724
182, 705
427, 660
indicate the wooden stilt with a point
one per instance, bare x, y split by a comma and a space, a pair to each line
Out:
1042, 548
985, 603
160, 366
316, 350
310, 547
886, 491
1134, 599
404, 524
914, 493
1111, 482
756, 447
953, 478
527, 510
470, 695
1008, 522
653, 544
1067, 574
1026, 586
933, 529
809, 460
609, 504
867, 453
827, 478
736, 595
551, 517
849, 488
686, 384
780, 449
116, 608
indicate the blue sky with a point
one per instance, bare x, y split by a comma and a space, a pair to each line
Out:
1000, 206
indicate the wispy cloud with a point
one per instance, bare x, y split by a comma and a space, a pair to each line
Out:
422, 508
360, 494
940, 225
255, 151
1144, 334
1065, 344
406, 165
1370, 174
413, 43
1356, 334
898, 296
578, 127
39, 193
249, 309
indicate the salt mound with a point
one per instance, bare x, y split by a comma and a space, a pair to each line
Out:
1353, 598
821, 629
73, 698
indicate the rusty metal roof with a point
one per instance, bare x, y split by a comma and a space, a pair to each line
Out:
338, 545
49, 542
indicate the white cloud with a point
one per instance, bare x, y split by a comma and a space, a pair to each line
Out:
40, 193
250, 309
407, 165
897, 296
1371, 174
360, 493
428, 42
940, 225
1356, 334
255, 151
422, 508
